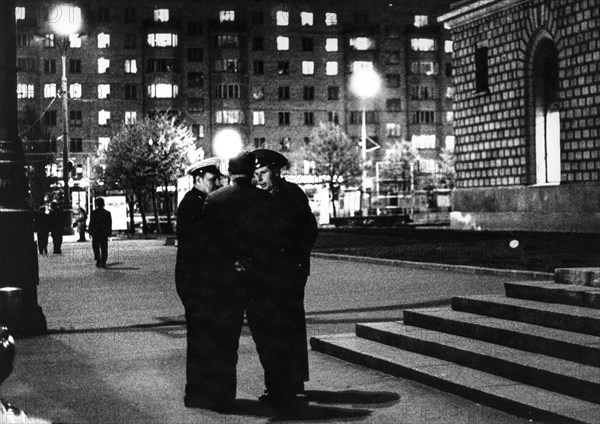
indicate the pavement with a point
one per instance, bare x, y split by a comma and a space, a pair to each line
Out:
115, 350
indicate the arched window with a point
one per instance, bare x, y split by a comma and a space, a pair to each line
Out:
543, 112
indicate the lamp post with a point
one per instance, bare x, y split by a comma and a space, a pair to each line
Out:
364, 83
65, 20
18, 253
227, 144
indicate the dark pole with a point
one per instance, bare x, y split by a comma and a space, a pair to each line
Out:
18, 254
67, 207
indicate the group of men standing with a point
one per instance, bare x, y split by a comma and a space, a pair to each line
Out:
244, 250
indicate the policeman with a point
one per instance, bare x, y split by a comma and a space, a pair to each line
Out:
206, 178
300, 229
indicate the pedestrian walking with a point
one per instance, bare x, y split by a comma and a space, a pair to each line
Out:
41, 226
100, 230
57, 222
286, 301
206, 178
80, 223
238, 240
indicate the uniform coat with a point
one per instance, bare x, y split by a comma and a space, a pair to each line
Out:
100, 229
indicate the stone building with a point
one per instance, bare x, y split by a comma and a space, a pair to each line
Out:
272, 70
526, 114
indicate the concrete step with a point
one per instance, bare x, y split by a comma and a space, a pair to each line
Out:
565, 317
578, 276
550, 292
483, 388
576, 347
559, 375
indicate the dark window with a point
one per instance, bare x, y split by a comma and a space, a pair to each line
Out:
103, 14
393, 105
309, 118
75, 145
27, 64
285, 144
131, 91
481, 70
308, 44
393, 57
423, 117
284, 118
195, 54
75, 118
333, 117
283, 93
195, 79
24, 39
258, 17
195, 28
50, 118
75, 66
196, 104
162, 65
259, 142
130, 15
130, 41
283, 67
393, 80
392, 31
356, 117
308, 92
49, 66
258, 67
333, 92
448, 69
361, 18
258, 43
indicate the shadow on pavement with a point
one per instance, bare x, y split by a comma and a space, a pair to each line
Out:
351, 396
304, 412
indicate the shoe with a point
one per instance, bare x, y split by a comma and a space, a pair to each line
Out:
98, 264
103, 265
282, 402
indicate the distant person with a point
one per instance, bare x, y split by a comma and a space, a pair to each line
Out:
81, 223
57, 222
206, 178
286, 301
100, 230
41, 226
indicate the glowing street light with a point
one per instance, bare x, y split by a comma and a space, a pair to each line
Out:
364, 83
228, 143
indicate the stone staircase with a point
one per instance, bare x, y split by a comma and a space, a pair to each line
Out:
534, 352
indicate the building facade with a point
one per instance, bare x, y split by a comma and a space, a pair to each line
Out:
526, 114
272, 70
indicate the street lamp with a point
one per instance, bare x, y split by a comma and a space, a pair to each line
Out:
364, 83
65, 20
227, 144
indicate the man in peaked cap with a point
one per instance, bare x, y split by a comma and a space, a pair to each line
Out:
287, 301
206, 176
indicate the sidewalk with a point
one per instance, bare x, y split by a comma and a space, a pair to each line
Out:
116, 354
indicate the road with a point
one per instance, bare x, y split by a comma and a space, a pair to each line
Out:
116, 352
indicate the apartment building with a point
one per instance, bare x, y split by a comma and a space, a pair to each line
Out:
272, 70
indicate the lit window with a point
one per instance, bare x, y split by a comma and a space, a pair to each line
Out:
48, 40
103, 65
331, 68
131, 66
449, 116
49, 91
450, 142
421, 20
103, 117
103, 143
423, 141
422, 44
228, 40
130, 117
359, 65
229, 116
427, 165
227, 15
163, 40
330, 19
392, 130
283, 18
103, 40
362, 43
448, 46
331, 45
25, 91
163, 91
74, 41
75, 91
103, 91
258, 117
161, 15
283, 43
307, 18
449, 92
308, 67
20, 13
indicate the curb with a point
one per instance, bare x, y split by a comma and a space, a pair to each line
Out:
538, 275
